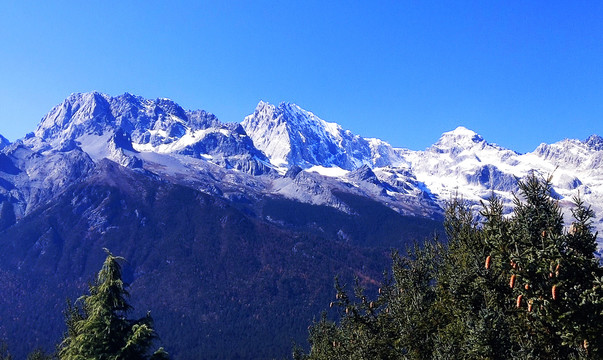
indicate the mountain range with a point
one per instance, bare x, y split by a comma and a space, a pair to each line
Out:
281, 151
232, 229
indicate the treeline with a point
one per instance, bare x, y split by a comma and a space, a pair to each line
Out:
98, 327
505, 287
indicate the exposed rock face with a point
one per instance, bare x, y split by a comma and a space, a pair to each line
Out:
29, 178
461, 163
281, 150
364, 173
287, 134
160, 126
219, 213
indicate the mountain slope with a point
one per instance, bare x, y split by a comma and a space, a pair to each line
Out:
183, 146
90, 120
463, 163
460, 163
290, 135
212, 275
242, 227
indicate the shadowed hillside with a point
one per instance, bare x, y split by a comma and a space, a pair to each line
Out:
218, 282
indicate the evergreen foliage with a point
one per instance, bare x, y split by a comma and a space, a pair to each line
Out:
40, 354
502, 288
4, 353
99, 329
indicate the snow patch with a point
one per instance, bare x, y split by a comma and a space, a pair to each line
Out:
334, 171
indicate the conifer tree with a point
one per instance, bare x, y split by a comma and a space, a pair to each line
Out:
4, 353
98, 327
39, 354
516, 286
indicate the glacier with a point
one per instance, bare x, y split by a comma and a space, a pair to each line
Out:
282, 150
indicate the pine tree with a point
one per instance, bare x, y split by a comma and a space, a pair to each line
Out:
366, 330
39, 354
4, 353
98, 328
516, 286
468, 302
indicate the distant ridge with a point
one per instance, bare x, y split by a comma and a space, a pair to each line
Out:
233, 232
275, 138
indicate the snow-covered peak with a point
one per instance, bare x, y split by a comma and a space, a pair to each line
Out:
461, 131
383, 154
290, 135
79, 113
461, 137
94, 113
594, 142
3, 142
574, 154
93, 121
269, 133
294, 117
306, 119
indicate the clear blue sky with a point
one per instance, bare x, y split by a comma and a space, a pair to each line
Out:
517, 72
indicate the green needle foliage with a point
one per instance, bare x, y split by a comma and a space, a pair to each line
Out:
99, 329
39, 354
4, 353
507, 287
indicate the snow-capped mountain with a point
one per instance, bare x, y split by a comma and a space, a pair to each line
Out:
236, 221
290, 135
191, 147
460, 163
282, 151
463, 163
91, 120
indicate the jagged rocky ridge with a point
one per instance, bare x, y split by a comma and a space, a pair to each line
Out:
248, 223
460, 163
240, 250
280, 150
191, 147
129, 124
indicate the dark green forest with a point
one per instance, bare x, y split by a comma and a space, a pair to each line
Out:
504, 287
518, 286
98, 326
217, 279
